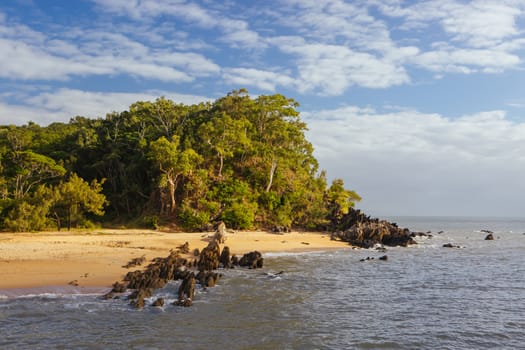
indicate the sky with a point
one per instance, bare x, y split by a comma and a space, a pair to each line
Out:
419, 106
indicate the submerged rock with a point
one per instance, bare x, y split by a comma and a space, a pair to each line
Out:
450, 245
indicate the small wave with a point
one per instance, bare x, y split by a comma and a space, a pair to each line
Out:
51, 292
308, 253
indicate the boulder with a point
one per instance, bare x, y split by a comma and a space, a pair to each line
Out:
450, 245
209, 258
119, 287
234, 260
220, 233
489, 237
224, 259
252, 260
138, 297
184, 248
186, 291
281, 229
159, 302
135, 262
208, 278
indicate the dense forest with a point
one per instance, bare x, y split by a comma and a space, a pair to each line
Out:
242, 160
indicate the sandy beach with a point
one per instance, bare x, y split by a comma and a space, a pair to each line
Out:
96, 258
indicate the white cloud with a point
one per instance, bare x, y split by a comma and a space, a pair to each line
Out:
235, 32
412, 163
477, 23
482, 35
83, 53
63, 104
447, 59
482, 23
265, 80
331, 69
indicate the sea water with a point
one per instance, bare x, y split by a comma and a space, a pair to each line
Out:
423, 297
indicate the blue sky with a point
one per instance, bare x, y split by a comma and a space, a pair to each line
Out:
418, 105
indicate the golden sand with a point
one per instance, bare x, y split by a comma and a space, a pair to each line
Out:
96, 258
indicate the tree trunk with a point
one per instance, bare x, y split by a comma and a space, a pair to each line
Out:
171, 185
272, 172
221, 164
59, 224
69, 217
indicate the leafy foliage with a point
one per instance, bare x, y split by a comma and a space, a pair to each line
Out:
242, 160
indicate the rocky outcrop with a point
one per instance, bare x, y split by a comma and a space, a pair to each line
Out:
174, 267
360, 230
158, 273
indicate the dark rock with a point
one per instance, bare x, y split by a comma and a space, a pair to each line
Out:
384, 257
440, 232
220, 233
108, 296
234, 260
209, 258
185, 302
196, 252
208, 278
159, 302
450, 245
281, 229
487, 231
135, 262
186, 291
360, 230
138, 297
489, 237
158, 273
119, 287
252, 260
184, 248
224, 259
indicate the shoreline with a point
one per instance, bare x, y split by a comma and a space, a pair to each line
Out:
94, 259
